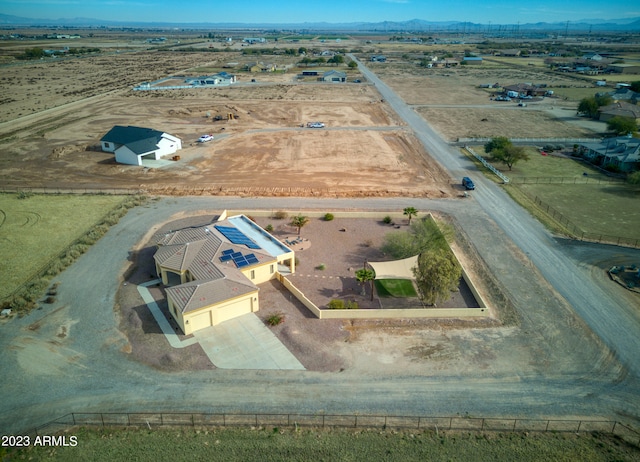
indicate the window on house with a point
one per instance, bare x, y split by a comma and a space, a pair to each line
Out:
272, 269
253, 274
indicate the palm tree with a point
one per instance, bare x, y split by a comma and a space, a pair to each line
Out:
299, 221
363, 276
410, 212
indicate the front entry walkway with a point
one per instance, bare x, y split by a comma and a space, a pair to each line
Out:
245, 343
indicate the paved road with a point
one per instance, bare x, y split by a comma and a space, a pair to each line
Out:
617, 325
70, 356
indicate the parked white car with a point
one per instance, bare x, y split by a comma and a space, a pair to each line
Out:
205, 138
315, 125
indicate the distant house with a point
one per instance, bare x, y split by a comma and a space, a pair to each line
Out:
334, 76
510, 53
622, 152
211, 273
378, 59
619, 109
260, 67
132, 145
525, 89
593, 57
472, 60
222, 78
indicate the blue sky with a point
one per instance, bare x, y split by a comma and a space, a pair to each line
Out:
289, 11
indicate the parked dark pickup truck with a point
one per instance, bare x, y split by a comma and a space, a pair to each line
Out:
467, 183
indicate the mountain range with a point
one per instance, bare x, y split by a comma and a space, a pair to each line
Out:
414, 25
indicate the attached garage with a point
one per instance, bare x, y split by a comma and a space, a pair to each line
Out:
196, 305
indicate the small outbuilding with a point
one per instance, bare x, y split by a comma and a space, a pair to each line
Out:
133, 144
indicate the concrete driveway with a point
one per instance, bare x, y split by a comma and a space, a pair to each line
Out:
245, 343
240, 343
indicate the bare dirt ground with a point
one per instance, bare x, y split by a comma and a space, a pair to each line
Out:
320, 345
54, 113
363, 151
452, 102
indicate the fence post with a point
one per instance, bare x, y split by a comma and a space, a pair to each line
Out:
515, 421
73, 416
102, 418
482, 426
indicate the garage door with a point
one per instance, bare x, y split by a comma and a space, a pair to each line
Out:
232, 310
200, 321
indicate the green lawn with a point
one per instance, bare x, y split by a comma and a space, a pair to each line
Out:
305, 444
402, 288
36, 229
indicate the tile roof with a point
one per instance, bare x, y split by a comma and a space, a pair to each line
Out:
199, 294
197, 250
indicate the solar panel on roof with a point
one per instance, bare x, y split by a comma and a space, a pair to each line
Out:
236, 236
242, 263
236, 254
252, 259
228, 252
225, 258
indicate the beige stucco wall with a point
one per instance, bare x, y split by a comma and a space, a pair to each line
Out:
214, 314
262, 273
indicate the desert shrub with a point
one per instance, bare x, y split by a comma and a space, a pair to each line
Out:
328, 216
280, 215
269, 228
50, 299
24, 194
336, 304
352, 305
321, 266
387, 220
275, 319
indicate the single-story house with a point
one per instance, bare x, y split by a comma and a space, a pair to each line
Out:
624, 94
622, 152
619, 109
133, 144
221, 78
525, 89
211, 273
334, 76
260, 67
378, 59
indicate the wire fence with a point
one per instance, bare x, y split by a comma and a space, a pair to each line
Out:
576, 232
585, 179
152, 420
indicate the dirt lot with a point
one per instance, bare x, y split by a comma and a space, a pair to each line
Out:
321, 345
452, 102
364, 150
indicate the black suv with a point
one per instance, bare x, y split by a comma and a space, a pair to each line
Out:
467, 183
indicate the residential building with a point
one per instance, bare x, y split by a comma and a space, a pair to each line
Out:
132, 145
211, 273
334, 76
622, 152
619, 109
